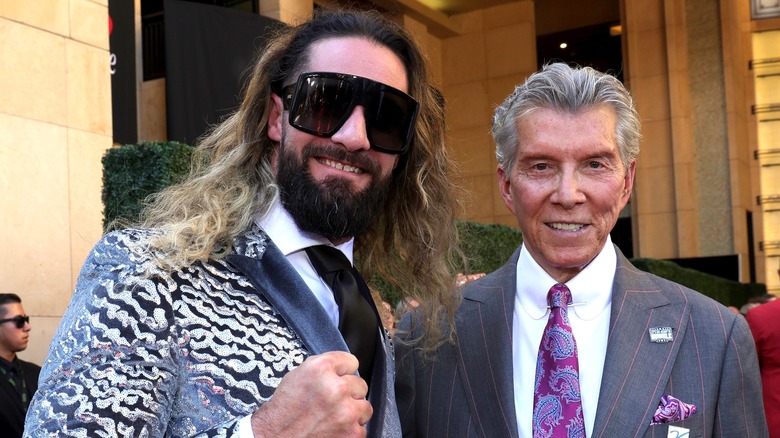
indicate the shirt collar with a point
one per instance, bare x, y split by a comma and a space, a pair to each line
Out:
10, 366
286, 235
591, 289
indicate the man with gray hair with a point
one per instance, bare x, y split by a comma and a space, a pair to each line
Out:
568, 338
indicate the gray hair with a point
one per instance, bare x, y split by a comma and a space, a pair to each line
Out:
574, 90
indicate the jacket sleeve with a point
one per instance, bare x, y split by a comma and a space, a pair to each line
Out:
113, 366
740, 410
405, 375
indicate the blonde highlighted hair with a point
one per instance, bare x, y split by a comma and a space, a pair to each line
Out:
413, 244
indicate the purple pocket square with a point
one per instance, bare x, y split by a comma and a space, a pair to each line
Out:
671, 410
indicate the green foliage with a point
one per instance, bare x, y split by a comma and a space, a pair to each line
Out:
727, 292
487, 246
134, 171
386, 290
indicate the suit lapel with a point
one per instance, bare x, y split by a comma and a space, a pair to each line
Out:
484, 324
635, 369
11, 395
382, 393
273, 276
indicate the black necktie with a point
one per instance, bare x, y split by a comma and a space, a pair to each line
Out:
15, 377
358, 322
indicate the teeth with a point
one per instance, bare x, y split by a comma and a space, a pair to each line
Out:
339, 166
566, 227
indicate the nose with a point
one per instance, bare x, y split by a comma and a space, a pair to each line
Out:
353, 134
569, 191
27, 327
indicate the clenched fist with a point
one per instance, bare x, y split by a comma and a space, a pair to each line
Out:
321, 398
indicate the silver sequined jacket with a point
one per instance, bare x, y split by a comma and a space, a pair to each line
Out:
186, 353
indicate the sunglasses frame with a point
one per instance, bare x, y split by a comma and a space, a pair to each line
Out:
291, 101
19, 320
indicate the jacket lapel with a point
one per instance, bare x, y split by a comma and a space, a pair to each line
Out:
271, 274
484, 324
385, 421
635, 369
11, 395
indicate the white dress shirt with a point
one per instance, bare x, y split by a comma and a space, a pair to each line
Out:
281, 228
286, 235
591, 291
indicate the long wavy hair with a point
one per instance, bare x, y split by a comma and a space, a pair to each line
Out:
413, 244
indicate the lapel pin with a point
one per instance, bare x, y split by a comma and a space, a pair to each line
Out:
661, 335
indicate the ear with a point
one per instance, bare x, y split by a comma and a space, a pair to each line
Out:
275, 118
505, 188
629, 182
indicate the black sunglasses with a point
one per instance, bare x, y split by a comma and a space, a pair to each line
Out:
320, 103
18, 319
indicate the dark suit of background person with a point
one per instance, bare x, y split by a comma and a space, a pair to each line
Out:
14, 339
229, 330
764, 322
563, 169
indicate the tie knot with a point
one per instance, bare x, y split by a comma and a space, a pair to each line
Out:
327, 259
559, 296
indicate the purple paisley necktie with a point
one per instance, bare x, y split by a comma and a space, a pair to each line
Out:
557, 404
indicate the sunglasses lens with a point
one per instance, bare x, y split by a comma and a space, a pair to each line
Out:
321, 105
390, 118
21, 320
322, 102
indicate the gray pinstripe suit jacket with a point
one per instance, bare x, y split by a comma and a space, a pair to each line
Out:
466, 391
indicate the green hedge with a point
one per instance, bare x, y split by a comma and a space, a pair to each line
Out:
727, 292
487, 246
490, 246
133, 172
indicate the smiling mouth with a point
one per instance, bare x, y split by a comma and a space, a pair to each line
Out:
565, 226
341, 166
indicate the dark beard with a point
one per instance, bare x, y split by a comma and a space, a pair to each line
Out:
330, 208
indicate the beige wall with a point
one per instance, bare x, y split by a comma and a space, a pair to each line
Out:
495, 51
766, 45
738, 93
152, 124
55, 119
687, 69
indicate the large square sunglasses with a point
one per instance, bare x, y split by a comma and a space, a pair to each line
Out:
18, 320
320, 103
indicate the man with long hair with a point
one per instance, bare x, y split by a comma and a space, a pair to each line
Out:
215, 315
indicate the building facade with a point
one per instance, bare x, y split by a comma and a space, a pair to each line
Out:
705, 75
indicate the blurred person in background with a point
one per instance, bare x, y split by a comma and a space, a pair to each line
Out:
764, 322
18, 379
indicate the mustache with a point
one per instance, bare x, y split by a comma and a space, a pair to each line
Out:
360, 159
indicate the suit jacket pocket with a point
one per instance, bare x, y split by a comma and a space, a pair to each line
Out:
692, 424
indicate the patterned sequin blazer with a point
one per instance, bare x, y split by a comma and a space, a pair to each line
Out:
186, 353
